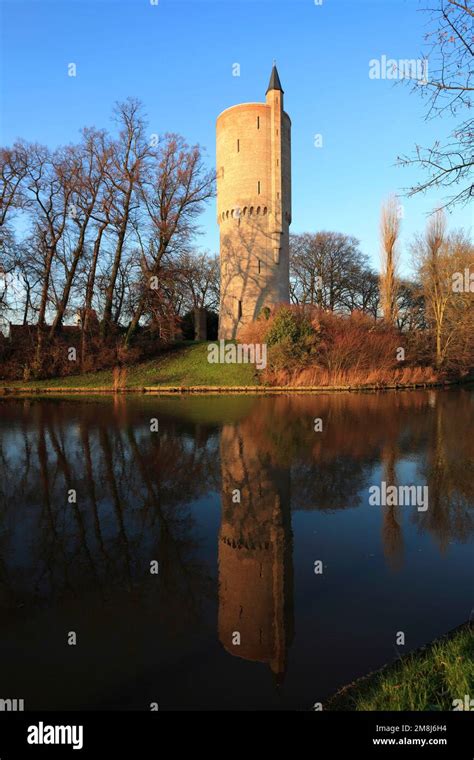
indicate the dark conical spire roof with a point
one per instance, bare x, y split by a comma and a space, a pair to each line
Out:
274, 83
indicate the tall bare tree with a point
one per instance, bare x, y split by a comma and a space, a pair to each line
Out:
47, 181
125, 174
389, 235
441, 259
87, 164
173, 196
433, 270
13, 168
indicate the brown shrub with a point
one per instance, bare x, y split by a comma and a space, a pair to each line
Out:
18, 360
256, 331
342, 350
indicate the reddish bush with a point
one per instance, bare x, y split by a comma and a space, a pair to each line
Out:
337, 350
19, 360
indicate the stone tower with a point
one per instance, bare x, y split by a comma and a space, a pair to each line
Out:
253, 207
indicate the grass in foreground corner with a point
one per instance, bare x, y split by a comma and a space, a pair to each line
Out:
425, 680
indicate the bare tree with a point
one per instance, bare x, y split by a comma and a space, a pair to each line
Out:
410, 307
198, 276
87, 164
100, 219
389, 234
449, 88
47, 182
437, 289
126, 173
13, 169
442, 260
327, 270
173, 196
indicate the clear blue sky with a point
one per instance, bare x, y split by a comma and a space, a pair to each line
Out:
177, 57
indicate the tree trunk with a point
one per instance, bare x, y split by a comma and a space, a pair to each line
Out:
90, 291
135, 320
67, 288
118, 255
43, 304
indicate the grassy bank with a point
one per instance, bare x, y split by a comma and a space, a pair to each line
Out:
428, 679
185, 365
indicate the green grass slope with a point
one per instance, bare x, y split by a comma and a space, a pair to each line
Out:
430, 679
184, 365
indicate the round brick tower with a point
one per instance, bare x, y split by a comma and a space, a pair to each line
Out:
253, 207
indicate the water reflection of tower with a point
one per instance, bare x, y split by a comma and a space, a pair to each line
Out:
255, 552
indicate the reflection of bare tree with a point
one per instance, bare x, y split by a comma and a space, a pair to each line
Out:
449, 469
91, 493
332, 468
392, 537
180, 570
110, 462
131, 505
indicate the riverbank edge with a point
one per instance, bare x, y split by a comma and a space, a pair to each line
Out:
227, 389
343, 697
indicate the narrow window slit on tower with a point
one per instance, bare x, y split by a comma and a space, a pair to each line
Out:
258, 122
258, 187
238, 146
